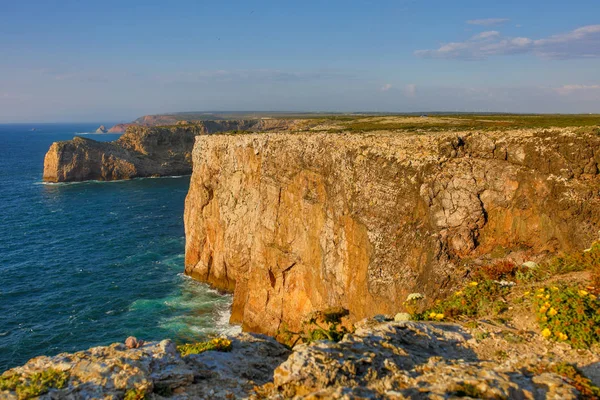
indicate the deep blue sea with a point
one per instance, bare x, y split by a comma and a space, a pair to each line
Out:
87, 264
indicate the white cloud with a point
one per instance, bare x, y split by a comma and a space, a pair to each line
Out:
386, 87
569, 89
583, 42
488, 21
486, 35
410, 90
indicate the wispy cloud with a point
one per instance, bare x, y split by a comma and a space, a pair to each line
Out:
569, 89
582, 42
253, 75
488, 21
386, 87
410, 90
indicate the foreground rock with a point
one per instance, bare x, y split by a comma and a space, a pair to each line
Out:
408, 360
140, 152
397, 360
157, 369
293, 223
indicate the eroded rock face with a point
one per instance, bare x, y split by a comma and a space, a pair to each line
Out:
140, 152
293, 223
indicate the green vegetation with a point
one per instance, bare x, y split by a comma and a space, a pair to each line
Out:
217, 344
574, 377
321, 325
563, 264
483, 298
461, 122
135, 394
568, 314
34, 385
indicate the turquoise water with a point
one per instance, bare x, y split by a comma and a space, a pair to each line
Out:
89, 264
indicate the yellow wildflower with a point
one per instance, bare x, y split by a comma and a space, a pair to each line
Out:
547, 296
561, 336
544, 319
439, 317
591, 296
473, 283
540, 296
432, 315
546, 333
554, 288
583, 293
541, 289
552, 312
543, 310
546, 304
459, 293
526, 293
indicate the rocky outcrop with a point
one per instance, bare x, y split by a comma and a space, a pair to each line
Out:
141, 151
116, 372
119, 128
381, 360
101, 129
292, 223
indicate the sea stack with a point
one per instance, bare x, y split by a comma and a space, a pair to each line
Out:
101, 129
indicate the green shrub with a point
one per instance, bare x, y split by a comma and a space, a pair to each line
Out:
217, 344
36, 384
320, 325
135, 394
568, 314
476, 299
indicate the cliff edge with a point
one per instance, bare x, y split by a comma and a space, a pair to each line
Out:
292, 223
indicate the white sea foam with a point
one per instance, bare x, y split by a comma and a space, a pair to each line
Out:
93, 181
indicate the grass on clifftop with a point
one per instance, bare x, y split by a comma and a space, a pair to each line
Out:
437, 123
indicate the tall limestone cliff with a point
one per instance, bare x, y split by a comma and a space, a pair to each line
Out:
292, 223
140, 152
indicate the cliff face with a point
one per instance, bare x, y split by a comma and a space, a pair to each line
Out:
140, 152
293, 223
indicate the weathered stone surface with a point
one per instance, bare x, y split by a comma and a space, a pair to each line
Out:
380, 360
409, 360
157, 370
293, 223
140, 152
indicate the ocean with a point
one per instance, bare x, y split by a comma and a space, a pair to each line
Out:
89, 264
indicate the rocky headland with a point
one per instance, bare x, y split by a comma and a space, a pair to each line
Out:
293, 223
385, 258
141, 151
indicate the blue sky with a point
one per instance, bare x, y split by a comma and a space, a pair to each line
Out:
117, 60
